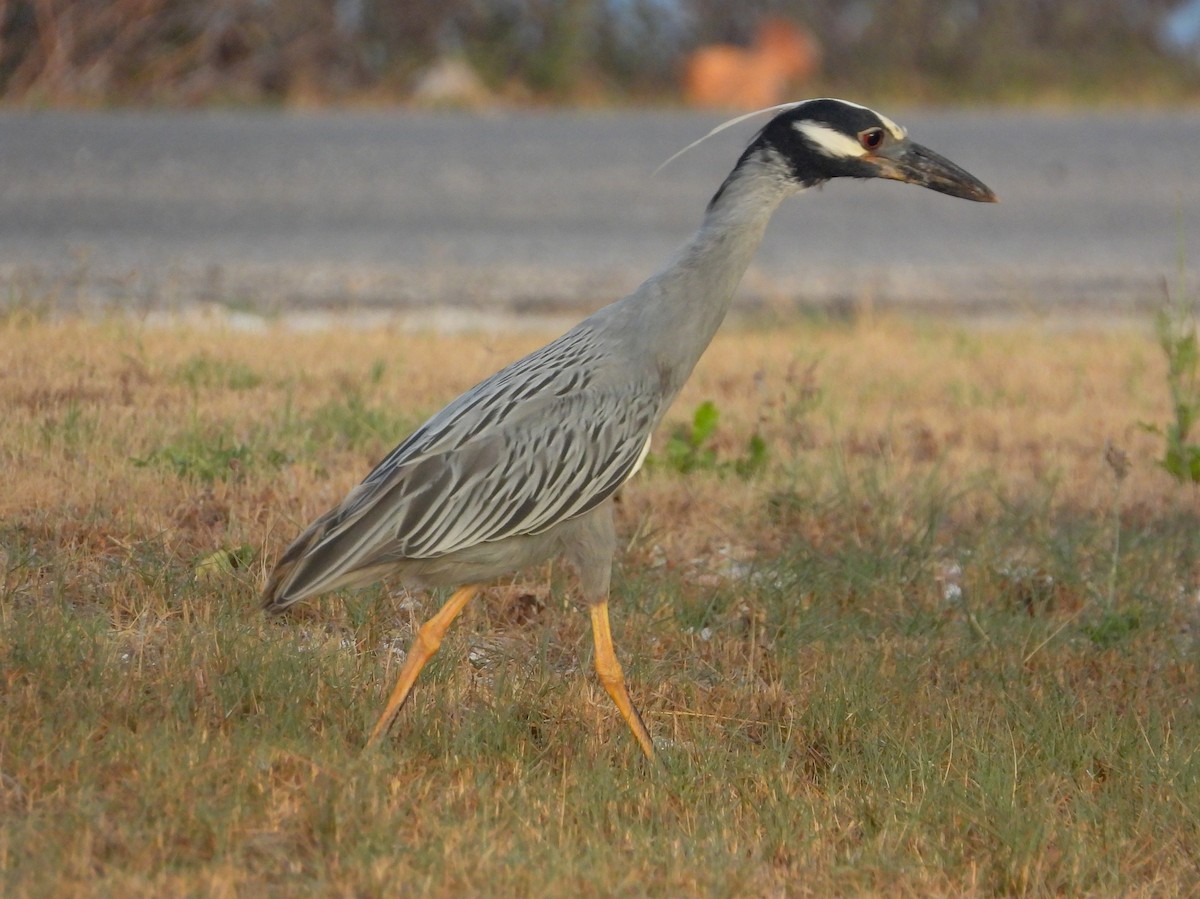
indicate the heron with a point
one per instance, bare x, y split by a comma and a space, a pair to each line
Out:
523, 467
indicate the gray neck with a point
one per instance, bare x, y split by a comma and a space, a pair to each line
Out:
680, 308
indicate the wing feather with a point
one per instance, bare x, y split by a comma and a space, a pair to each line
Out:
542, 441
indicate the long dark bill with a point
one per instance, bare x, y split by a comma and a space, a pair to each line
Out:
915, 164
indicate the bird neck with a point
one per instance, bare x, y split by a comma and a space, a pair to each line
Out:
688, 299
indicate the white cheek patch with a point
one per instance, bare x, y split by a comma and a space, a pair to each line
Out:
828, 141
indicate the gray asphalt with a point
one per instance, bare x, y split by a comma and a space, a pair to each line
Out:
558, 211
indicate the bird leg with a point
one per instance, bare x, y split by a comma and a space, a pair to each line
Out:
608, 669
426, 643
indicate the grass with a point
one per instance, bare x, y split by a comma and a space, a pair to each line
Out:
912, 656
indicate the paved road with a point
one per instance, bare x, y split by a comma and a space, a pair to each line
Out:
536, 212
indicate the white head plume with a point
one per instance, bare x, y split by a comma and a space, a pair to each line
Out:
729, 124
897, 132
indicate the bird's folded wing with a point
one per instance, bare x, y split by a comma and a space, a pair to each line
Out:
560, 459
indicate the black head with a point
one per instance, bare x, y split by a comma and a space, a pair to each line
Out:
822, 139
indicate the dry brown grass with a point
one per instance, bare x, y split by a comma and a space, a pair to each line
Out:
903, 659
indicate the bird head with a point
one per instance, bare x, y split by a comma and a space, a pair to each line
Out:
819, 140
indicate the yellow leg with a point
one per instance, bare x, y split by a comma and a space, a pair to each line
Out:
609, 671
427, 641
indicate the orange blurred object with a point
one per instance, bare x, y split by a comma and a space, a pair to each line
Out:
729, 77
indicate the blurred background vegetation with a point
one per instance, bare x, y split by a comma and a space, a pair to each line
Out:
317, 52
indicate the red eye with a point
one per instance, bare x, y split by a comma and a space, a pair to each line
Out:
871, 139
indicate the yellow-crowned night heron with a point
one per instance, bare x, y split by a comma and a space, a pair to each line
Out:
523, 466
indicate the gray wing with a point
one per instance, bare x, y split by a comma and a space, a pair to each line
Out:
521, 477
572, 364
542, 441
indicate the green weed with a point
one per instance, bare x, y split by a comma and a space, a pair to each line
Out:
1177, 337
351, 422
1114, 627
204, 456
689, 448
74, 428
1175, 325
204, 372
224, 562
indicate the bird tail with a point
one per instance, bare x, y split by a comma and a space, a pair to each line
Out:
291, 581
